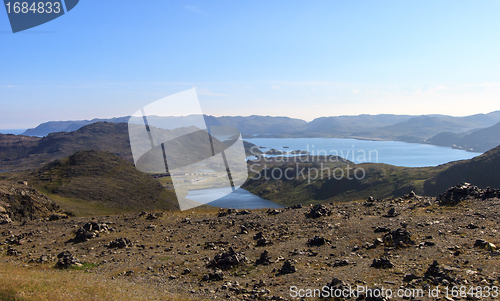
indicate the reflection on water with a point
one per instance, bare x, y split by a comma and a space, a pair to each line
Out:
240, 199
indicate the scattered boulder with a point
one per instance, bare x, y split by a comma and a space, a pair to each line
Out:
318, 211
273, 211
298, 206
153, 215
438, 275
369, 202
287, 268
462, 191
217, 275
264, 258
378, 241
490, 193
391, 213
483, 244
399, 238
337, 285
66, 260
382, 229
472, 226
13, 252
259, 235
261, 242
214, 245
90, 230
296, 252
22, 238
227, 212
41, 259
382, 263
120, 243
228, 260
57, 216
243, 212
243, 230
409, 277
317, 241
340, 263
5, 219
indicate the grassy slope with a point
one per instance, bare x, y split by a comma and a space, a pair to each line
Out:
481, 171
46, 283
96, 182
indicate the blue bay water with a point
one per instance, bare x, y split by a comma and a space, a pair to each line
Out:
239, 199
12, 131
362, 151
358, 151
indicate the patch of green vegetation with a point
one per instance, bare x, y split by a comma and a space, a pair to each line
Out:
243, 270
81, 207
84, 266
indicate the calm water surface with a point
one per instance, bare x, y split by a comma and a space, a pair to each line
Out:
13, 131
362, 151
240, 199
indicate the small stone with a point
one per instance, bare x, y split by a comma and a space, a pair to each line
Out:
382, 263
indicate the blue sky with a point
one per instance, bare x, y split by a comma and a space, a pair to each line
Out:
302, 59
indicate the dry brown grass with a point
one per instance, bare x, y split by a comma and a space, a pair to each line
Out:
46, 283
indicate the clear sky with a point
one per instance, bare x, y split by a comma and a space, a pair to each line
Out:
302, 59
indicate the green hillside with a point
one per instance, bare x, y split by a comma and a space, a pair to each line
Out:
379, 180
481, 171
92, 182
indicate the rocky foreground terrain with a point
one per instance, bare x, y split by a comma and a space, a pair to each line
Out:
411, 243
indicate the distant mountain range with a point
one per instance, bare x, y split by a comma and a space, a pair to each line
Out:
23, 152
247, 125
477, 133
68, 126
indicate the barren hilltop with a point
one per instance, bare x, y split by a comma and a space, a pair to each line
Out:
409, 245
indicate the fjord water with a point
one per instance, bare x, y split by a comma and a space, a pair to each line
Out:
357, 151
13, 131
363, 151
239, 199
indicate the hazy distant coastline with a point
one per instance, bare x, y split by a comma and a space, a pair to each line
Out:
476, 133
